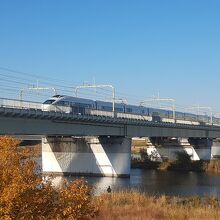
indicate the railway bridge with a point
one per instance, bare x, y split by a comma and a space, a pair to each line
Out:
93, 144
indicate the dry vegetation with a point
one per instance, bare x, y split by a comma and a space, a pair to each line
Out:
23, 195
182, 163
213, 166
133, 205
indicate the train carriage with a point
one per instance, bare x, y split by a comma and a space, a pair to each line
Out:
83, 106
108, 106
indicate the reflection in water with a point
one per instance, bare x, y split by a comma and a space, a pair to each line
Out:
157, 183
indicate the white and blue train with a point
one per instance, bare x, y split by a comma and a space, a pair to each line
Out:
83, 106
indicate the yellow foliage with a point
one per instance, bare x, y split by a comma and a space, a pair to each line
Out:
24, 195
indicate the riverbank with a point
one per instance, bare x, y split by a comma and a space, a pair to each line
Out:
134, 205
212, 166
183, 163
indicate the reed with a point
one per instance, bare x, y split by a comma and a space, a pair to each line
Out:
135, 205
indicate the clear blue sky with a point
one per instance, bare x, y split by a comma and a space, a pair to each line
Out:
141, 47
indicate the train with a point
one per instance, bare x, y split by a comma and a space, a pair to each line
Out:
82, 106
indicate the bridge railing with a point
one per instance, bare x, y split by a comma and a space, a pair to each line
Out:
20, 104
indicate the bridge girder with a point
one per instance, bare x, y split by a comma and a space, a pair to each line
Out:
15, 125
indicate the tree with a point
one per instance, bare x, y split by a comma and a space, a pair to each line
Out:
24, 195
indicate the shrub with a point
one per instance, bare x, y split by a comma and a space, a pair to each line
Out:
23, 194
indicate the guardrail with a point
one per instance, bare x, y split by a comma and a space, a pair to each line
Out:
13, 103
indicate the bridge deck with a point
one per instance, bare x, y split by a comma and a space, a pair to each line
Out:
38, 122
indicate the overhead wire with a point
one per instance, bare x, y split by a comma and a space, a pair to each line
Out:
22, 80
33, 75
68, 90
53, 79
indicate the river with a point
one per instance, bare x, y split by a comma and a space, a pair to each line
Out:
158, 183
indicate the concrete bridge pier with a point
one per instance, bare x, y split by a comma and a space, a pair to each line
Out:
166, 148
95, 156
196, 148
200, 148
216, 148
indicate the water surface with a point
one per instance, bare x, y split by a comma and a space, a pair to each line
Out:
158, 183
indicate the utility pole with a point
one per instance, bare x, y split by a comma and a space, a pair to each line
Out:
35, 89
202, 107
99, 86
158, 99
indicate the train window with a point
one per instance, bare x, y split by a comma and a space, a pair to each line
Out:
86, 105
49, 101
129, 109
119, 109
107, 108
83, 105
57, 96
60, 103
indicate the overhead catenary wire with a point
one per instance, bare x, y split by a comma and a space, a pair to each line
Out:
47, 81
68, 90
30, 82
13, 80
9, 70
56, 80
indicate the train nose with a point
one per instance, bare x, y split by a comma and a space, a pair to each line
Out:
45, 107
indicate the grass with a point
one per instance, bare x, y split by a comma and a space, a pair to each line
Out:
212, 166
195, 166
134, 205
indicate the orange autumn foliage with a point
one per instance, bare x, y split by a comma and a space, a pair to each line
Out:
24, 195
